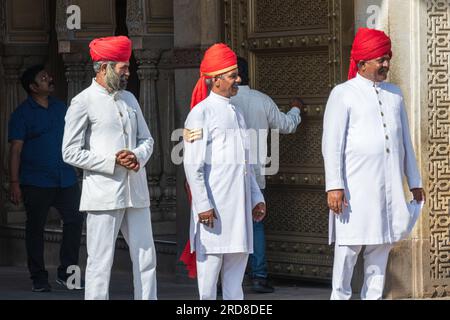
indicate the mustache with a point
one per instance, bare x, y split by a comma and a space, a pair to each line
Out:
123, 78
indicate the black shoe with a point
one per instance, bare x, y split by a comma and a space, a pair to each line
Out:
63, 283
41, 286
261, 285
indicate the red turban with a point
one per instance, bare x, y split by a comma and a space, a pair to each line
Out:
117, 49
368, 44
218, 59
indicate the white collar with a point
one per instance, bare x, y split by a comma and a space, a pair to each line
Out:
367, 82
219, 97
102, 89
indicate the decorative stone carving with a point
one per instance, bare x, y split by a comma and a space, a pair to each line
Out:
187, 57
438, 143
167, 113
76, 73
135, 17
148, 73
148, 56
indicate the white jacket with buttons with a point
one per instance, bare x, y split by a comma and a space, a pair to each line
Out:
220, 177
98, 125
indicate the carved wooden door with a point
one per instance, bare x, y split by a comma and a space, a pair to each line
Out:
295, 48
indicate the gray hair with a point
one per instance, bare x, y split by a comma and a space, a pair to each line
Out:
209, 81
98, 65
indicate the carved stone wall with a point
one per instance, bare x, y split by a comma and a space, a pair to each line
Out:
438, 143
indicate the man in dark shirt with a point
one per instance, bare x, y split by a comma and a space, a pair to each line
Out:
39, 175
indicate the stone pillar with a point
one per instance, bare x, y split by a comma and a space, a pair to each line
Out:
76, 71
167, 99
148, 76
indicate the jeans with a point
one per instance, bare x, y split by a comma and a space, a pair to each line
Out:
37, 204
258, 263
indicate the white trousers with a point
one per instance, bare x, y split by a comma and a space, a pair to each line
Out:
375, 261
233, 269
102, 230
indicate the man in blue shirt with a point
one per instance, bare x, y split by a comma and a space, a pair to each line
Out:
39, 175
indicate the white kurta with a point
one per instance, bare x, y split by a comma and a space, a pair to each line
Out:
220, 177
261, 114
367, 151
98, 125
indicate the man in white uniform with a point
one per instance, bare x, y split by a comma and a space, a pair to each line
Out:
367, 151
224, 191
261, 114
106, 135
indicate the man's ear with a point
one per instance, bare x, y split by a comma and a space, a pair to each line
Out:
216, 82
33, 87
103, 68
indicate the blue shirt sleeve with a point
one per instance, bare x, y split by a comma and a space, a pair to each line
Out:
16, 127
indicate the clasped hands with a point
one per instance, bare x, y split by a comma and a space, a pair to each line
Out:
128, 160
337, 201
207, 217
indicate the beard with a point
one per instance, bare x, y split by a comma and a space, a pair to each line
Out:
114, 81
383, 71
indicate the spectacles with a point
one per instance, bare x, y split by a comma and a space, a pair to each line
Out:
45, 78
